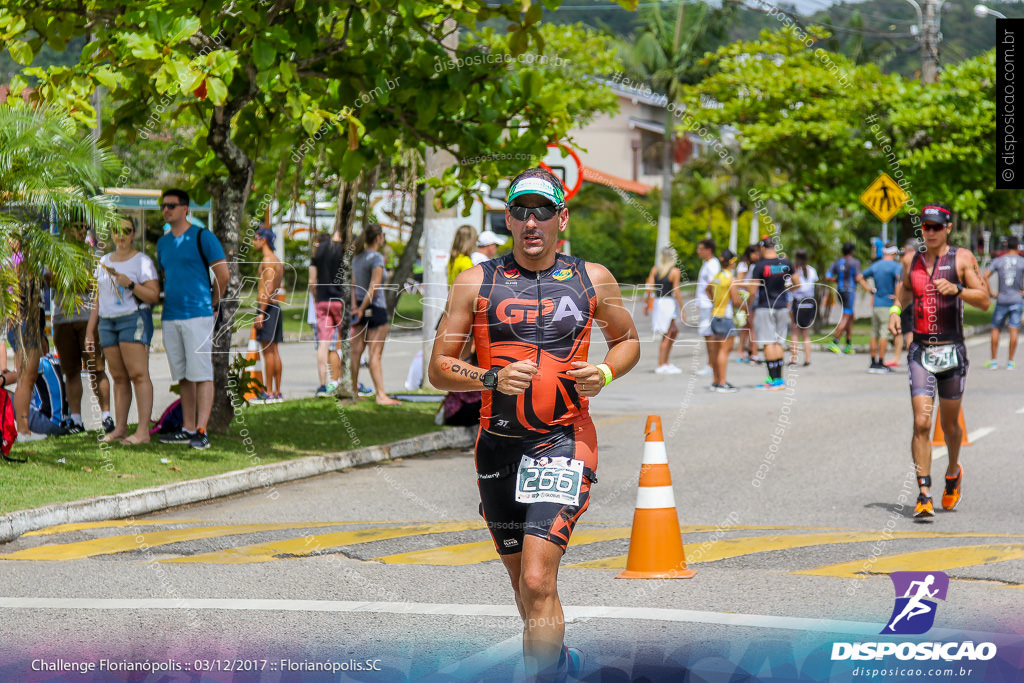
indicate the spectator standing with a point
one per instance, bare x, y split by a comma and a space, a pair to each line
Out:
663, 285
462, 246
487, 244
804, 307
844, 272
185, 254
370, 312
910, 247
1009, 268
327, 285
745, 324
269, 324
723, 296
886, 273
710, 268
771, 317
69, 337
122, 319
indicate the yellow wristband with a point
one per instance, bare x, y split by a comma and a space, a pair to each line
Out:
608, 376
896, 309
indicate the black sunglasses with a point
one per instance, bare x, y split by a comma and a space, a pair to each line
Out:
543, 213
932, 227
170, 206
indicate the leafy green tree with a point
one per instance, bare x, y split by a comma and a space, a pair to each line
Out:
364, 83
49, 177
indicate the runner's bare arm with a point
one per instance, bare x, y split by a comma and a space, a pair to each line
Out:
975, 291
617, 326
446, 370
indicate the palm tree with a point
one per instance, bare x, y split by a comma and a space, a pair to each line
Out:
667, 56
49, 176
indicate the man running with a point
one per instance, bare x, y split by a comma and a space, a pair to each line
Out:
939, 280
1009, 301
844, 272
530, 314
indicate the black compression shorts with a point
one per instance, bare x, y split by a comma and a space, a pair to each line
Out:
497, 463
950, 384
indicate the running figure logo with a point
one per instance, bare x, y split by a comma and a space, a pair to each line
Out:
914, 612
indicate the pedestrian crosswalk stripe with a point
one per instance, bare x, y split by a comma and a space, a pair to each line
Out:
472, 553
937, 559
722, 549
308, 545
119, 544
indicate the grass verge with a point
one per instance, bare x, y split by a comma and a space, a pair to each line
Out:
74, 467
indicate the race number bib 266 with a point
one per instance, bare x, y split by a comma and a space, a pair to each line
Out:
549, 480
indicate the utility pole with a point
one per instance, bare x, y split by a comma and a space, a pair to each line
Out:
928, 34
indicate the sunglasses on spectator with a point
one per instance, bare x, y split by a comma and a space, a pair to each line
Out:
543, 213
165, 205
933, 227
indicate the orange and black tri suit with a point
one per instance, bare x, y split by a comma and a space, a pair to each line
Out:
545, 317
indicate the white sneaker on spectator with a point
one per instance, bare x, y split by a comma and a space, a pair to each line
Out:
661, 370
671, 369
705, 371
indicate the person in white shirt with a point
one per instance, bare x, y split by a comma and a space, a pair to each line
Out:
710, 268
487, 244
804, 307
126, 289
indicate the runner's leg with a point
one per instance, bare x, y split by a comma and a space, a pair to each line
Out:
949, 413
921, 443
545, 621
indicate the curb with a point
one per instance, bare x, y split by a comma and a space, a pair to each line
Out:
144, 501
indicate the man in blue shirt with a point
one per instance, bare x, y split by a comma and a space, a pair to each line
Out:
886, 273
844, 272
186, 254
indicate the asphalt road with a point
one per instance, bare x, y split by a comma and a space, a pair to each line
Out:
391, 562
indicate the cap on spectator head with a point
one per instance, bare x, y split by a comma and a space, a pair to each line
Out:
936, 214
489, 237
268, 235
767, 242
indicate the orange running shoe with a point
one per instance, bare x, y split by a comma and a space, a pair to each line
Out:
954, 490
924, 507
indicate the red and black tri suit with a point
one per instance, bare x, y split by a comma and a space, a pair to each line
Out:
938, 319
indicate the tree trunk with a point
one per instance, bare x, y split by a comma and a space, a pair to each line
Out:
665, 213
343, 217
229, 197
408, 260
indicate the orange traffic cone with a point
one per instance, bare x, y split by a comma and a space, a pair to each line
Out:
939, 438
253, 353
655, 545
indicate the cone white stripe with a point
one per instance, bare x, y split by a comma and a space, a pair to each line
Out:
654, 453
655, 498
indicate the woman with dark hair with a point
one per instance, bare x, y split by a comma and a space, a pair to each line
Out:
804, 307
126, 289
745, 331
369, 310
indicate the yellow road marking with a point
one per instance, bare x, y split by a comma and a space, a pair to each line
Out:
483, 551
937, 559
303, 547
109, 523
734, 547
125, 543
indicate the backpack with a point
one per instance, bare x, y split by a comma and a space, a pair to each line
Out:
49, 395
170, 421
8, 426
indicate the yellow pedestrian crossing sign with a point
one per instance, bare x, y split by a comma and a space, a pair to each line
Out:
884, 197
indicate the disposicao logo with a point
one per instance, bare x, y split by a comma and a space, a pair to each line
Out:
914, 614
914, 611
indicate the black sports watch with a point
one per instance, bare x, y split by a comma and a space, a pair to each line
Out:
490, 380
959, 289
131, 285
